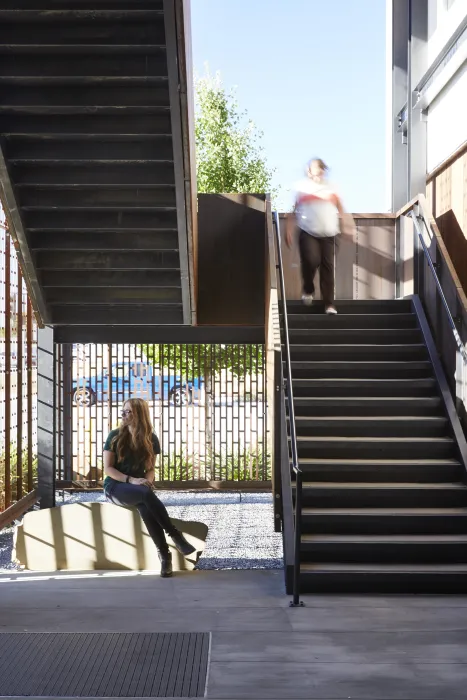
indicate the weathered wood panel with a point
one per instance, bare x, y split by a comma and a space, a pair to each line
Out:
365, 262
375, 259
446, 192
231, 260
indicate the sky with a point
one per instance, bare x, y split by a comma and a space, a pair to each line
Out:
311, 74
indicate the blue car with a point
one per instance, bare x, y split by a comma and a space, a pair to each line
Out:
134, 380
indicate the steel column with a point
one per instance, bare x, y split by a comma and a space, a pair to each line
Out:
46, 416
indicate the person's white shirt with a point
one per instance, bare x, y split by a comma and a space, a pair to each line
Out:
316, 207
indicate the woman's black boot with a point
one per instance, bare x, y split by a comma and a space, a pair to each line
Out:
166, 564
183, 546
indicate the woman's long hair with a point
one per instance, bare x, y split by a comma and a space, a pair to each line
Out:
138, 441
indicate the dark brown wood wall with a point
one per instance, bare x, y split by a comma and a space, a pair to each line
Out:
231, 259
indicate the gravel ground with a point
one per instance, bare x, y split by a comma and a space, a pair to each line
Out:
241, 534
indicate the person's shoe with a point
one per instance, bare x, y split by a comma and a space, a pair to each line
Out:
183, 546
166, 564
307, 299
331, 310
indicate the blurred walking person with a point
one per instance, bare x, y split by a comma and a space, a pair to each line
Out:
318, 220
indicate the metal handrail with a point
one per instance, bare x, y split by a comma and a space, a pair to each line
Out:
293, 433
415, 218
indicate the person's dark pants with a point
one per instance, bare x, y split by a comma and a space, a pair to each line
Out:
317, 253
151, 509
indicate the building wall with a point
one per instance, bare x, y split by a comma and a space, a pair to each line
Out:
444, 16
447, 195
435, 24
447, 121
435, 132
446, 155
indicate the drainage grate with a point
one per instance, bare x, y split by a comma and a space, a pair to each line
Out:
158, 665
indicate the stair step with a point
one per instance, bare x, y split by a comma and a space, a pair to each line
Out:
77, 264
366, 426
99, 94
64, 81
116, 314
95, 172
306, 320
117, 11
391, 352
368, 405
356, 336
98, 62
383, 578
384, 521
364, 387
83, 50
354, 369
384, 495
391, 549
86, 5
104, 242
382, 470
61, 147
94, 277
39, 27
375, 448
124, 121
94, 294
97, 195
355, 306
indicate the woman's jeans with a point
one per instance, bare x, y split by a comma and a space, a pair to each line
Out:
151, 509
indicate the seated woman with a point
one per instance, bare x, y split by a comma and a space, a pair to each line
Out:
130, 454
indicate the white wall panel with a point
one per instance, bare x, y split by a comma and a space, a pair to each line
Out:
447, 120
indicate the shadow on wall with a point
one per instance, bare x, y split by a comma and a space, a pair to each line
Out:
365, 263
97, 536
456, 244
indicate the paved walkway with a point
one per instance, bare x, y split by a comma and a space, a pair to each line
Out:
378, 648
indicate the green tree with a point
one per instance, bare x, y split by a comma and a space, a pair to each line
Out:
229, 156
205, 361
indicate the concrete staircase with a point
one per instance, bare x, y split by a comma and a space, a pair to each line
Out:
384, 493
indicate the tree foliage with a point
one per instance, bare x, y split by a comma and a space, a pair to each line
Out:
192, 361
229, 155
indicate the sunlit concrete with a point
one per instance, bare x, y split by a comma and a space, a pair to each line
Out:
90, 536
383, 648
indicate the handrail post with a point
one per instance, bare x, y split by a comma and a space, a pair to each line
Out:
398, 242
293, 434
296, 602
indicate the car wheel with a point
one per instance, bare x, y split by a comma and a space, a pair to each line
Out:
84, 397
180, 396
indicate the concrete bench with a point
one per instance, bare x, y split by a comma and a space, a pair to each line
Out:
97, 536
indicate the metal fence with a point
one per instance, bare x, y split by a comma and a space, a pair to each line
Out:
18, 379
208, 405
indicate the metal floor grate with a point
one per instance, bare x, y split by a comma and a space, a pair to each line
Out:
95, 665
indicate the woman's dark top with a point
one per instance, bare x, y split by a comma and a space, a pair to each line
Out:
129, 464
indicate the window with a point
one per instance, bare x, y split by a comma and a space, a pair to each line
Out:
139, 369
